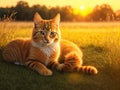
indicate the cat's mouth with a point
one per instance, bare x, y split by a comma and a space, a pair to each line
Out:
47, 44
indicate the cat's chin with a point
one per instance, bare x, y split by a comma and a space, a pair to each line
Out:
47, 44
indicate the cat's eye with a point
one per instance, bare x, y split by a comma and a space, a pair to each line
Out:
42, 32
52, 33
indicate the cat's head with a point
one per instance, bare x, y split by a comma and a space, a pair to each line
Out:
46, 32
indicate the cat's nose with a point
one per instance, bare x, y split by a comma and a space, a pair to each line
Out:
47, 41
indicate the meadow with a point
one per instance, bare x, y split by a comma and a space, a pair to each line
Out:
100, 43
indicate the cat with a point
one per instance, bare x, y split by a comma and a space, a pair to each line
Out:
46, 50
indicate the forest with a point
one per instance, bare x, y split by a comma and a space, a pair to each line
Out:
23, 12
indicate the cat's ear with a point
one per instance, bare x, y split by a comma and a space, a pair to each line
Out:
56, 19
37, 18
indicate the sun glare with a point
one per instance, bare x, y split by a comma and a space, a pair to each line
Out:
82, 10
82, 7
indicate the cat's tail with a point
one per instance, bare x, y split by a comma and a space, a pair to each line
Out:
87, 69
73, 62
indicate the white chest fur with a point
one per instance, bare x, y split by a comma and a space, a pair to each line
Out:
47, 50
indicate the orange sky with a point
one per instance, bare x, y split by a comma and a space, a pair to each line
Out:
87, 4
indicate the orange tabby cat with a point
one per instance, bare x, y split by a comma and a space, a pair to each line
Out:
46, 50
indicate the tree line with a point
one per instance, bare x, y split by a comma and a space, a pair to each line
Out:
23, 12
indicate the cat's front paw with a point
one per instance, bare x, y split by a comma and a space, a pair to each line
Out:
46, 72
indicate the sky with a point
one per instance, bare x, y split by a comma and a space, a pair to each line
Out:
77, 4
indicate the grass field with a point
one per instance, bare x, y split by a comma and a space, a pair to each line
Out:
100, 43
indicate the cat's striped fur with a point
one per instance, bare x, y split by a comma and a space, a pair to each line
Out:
46, 50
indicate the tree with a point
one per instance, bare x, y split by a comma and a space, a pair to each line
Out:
22, 9
102, 13
53, 11
66, 13
43, 10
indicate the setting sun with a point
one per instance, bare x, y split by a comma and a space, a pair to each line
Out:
83, 10
82, 7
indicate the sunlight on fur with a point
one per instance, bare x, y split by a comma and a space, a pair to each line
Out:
46, 50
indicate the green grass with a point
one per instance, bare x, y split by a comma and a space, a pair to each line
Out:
100, 43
